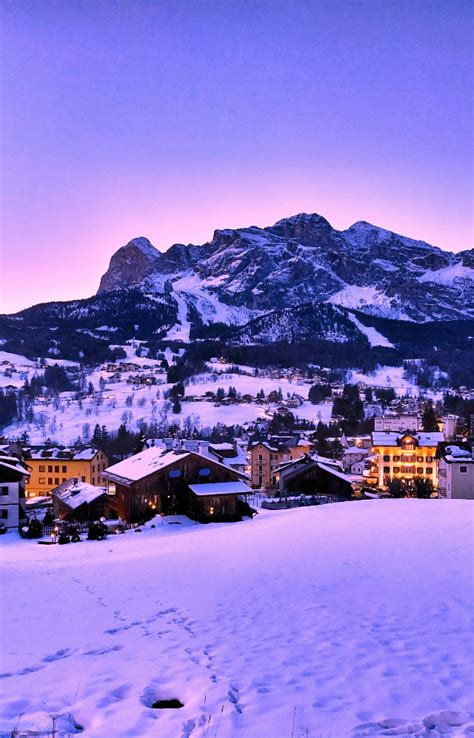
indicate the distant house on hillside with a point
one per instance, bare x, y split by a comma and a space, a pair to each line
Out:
177, 482
456, 470
313, 475
81, 501
13, 476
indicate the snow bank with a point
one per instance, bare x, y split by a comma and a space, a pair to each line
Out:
341, 620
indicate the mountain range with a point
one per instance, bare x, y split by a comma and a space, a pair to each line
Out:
299, 281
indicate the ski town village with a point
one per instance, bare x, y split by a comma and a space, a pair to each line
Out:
61, 492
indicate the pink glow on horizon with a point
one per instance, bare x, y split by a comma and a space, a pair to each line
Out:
148, 118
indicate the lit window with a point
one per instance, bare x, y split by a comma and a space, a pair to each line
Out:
174, 473
204, 472
42, 480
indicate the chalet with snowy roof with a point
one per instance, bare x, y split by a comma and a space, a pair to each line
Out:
177, 482
229, 454
313, 475
267, 453
404, 456
13, 476
80, 501
50, 466
456, 470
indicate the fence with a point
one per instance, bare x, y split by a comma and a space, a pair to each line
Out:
283, 503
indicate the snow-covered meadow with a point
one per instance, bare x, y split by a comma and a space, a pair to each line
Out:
352, 619
65, 419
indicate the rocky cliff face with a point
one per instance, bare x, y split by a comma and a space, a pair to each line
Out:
299, 260
129, 265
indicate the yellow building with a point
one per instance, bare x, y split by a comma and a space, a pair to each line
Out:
404, 456
266, 454
52, 466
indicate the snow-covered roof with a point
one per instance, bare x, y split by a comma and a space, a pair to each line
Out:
392, 438
13, 465
143, 464
457, 454
220, 488
355, 450
74, 494
150, 461
335, 472
69, 454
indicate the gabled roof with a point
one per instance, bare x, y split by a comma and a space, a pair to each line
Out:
74, 494
393, 438
13, 464
150, 461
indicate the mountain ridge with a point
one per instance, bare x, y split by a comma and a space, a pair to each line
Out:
303, 258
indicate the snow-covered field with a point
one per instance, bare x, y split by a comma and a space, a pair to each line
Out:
353, 619
65, 420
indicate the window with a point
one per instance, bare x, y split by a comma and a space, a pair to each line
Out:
56, 481
204, 472
260, 457
42, 480
50, 480
63, 479
429, 470
56, 469
386, 470
463, 469
83, 479
396, 458
4, 490
64, 469
93, 468
4, 514
42, 468
386, 458
429, 459
174, 473
50, 468
419, 459
419, 470
396, 470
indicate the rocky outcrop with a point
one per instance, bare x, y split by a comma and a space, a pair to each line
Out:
129, 265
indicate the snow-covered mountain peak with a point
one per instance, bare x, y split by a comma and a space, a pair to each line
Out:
129, 264
302, 259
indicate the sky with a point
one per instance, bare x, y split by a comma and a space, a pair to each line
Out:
171, 118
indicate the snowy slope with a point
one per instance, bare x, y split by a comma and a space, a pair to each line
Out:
346, 620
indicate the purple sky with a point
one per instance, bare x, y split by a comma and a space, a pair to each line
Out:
171, 118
